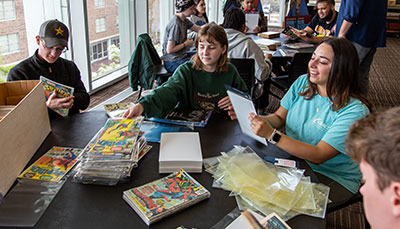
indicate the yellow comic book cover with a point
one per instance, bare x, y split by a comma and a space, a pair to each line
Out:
116, 140
53, 165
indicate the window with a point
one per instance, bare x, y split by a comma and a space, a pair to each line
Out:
7, 10
100, 25
9, 43
99, 51
98, 3
273, 10
115, 41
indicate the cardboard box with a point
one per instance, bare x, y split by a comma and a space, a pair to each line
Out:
23, 129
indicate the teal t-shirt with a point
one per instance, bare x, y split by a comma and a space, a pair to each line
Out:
312, 121
192, 89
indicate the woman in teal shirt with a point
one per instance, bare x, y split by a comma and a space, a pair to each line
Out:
317, 112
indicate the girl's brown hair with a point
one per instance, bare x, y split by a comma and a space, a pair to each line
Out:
208, 32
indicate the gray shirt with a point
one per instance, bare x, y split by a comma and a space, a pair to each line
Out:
176, 31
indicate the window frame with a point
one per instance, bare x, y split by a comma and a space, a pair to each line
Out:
8, 44
13, 17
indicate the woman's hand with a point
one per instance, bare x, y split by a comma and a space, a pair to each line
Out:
260, 126
232, 113
134, 111
224, 103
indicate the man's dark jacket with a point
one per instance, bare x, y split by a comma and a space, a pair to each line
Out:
62, 71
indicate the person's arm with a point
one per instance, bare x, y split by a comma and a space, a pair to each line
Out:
172, 47
81, 97
134, 111
196, 28
344, 28
264, 126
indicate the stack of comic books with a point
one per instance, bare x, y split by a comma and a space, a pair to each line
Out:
112, 153
160, 198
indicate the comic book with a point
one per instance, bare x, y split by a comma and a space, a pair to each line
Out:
197, 118
299, 45
61, 89
53, 165
116, 110
160, 198
116, 140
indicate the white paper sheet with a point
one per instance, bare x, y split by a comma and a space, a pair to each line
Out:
251, 21
243, 107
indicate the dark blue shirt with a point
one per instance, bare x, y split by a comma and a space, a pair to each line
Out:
369, 21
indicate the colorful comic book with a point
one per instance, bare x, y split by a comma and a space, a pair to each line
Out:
197, 118
160, 198
53, 165
116, 110
62, 91
116, 140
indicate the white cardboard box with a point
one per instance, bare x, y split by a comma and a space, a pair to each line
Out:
180, 150
23, 129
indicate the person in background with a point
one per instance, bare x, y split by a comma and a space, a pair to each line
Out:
322, 24
196, 84
176, 42
248, 7
363, 23
374, 142
242, 46
199, 17
53, 41
317, 112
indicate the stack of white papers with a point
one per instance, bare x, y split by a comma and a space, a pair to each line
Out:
180, 150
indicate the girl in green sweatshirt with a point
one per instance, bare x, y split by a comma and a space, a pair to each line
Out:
198, 83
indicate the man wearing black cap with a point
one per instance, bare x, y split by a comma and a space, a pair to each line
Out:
53, 41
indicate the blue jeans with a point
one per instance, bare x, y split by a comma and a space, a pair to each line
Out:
171, 66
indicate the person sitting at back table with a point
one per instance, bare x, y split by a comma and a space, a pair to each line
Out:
322, 24
53, 41
248, 7
196, 84
242, 46
199, 17
374, 142
175, 38
317, 112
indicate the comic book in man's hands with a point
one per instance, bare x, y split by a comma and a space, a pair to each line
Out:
53, 165
62, 91
197, 118
160, 198
117, 110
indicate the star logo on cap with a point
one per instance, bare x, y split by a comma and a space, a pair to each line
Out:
59, 31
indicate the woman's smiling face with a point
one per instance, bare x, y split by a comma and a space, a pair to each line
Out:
320, 65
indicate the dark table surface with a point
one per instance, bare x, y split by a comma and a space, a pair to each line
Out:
93, 206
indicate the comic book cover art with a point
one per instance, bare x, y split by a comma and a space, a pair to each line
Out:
62, 90
116, 140
53, 165
116, 110
197, 118
160, 198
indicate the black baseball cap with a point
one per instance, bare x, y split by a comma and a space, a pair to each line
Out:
54, 32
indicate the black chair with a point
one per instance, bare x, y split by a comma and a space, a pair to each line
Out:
298, 66
246, 71
145, 65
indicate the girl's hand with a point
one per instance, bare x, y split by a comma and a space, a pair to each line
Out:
260, 126
232, 113
134, 111
224, 103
